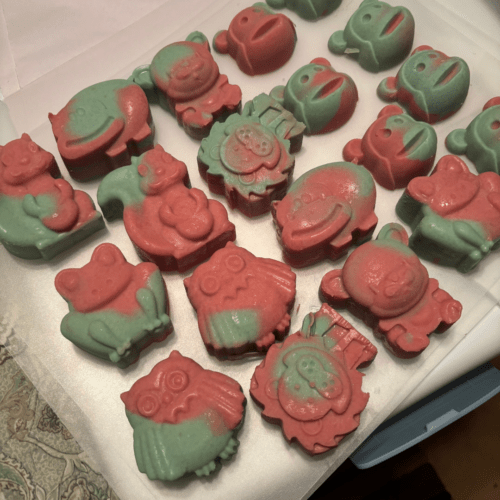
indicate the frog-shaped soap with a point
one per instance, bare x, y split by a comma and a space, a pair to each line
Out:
243, 302
385, 284
248, 157
40, 213
480, 141
116, 309
185, 419
326, 210
318, 96
430, 85
395, 148
311, 10
169, 224
101, 127
454, 214
310, 383
378, 35
258, 39
187, 81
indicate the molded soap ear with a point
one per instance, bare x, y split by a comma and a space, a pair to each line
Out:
395, 232
67, 282
142, 77
321, 61
278, 94
352, 151
337, 43
450, 163
421, 48
107, 255
495, 101
220, 42
198, 37
422, 189
456, 142
390, 110
387, 89
276, 4
332, 287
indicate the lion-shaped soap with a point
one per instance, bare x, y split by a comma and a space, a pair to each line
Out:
185, 419
243, 302
454, 214
41, 215
310, 383
116, 309
384, 283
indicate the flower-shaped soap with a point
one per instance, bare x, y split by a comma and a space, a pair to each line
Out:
248, 157
430, 85
101, 127
378, 35
259, 40
116, 309
326, 210
318, 96
480, 141
454, 214
385, 284
185, 418
311, 10
40, 213
169, 224
243, 302
395, 148
187, 82
310, 384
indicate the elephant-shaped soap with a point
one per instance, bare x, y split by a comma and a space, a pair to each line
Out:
116, 309
318, 96
326, 210
311, 10
454, 214
102, 127
310, 384
185, 419
378, 36
430, 85
169, 223
395, 148
480, 141
187, 82
384, 283
258, 39
41, 215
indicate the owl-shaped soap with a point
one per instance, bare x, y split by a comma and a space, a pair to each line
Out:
101, 127
169, 223
454, 214
185, 419
384, 283
243, 302
310, 384
41, 215
116, 309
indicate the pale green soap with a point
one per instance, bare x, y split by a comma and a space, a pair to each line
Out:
234, 328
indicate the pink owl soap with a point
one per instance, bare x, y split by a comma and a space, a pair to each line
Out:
395, 148
310, 384
385, 284
258, 39
186, 79
326, 210
116, 309
185, 419
243, 302
454, 214
41, 215
169, 224
101, 127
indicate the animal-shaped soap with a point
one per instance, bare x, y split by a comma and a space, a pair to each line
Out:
102, 127
41, 215
185, 419
454, 214
384, 283
243, 302
395, 148
116, 309
169, 224
310, 384
480, 141
326, 210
